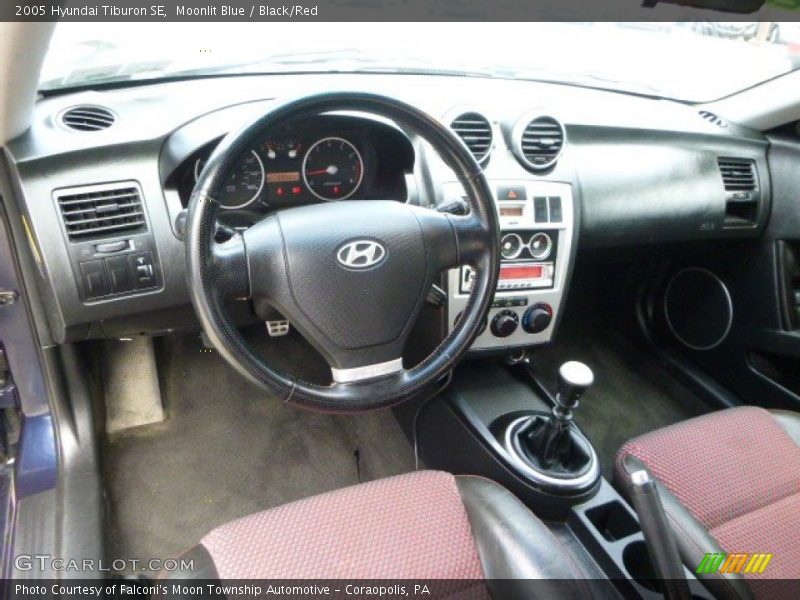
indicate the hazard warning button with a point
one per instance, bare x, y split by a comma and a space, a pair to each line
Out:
511, 192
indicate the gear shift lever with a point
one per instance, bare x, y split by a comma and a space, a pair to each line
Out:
574, 378
550, 443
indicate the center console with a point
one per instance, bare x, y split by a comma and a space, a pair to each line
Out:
499, 422
537, 228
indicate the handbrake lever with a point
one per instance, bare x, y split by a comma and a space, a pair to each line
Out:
658, 537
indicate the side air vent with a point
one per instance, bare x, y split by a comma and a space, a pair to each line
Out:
87, 118
742, 198
713, 119
100, 211
476, 131
738, 174
539, 142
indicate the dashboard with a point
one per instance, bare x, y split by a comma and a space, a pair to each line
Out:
573, 169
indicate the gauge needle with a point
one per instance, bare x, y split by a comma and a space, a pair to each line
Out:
330, 170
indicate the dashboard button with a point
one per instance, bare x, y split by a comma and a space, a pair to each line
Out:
144, 274
511, 192
93, 276
540, 209
119, 274
555, 210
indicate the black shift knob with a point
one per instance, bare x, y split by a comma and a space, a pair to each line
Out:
574, 378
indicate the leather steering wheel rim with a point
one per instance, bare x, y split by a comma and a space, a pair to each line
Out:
219, 271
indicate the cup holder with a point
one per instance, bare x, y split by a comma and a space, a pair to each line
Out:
637, 563
613, 521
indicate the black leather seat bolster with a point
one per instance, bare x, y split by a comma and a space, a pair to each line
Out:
202, 565
515, 547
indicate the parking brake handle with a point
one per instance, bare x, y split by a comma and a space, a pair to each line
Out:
658, 536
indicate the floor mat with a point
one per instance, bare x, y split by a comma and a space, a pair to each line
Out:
632, 393
228, 450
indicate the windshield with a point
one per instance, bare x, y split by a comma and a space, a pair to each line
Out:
686, 61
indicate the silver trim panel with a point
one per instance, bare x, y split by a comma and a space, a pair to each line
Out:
550, 290
576, 484
367, 372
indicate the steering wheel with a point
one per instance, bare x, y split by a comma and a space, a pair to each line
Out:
351, 276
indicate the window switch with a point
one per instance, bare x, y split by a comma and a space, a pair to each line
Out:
93, 277
119, 274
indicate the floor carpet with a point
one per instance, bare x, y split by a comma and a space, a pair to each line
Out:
228, 450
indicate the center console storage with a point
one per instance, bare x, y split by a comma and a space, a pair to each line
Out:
609, 529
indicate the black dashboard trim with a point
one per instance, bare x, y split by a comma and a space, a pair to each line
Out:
161, 122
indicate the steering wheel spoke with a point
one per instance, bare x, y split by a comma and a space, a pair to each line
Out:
367, 372
228, 268
470, 235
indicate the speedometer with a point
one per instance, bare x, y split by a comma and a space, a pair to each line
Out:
333, 169
244, 183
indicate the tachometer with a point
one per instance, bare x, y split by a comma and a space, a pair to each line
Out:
333, 169
244, 183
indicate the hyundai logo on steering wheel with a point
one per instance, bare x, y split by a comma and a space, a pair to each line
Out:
361, 254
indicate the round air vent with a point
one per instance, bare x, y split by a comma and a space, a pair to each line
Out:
476, 131
538, 142
87, 118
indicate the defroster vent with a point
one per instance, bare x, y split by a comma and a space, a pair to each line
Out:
101, 210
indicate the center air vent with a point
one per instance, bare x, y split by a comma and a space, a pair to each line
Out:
738, 174
99, 211
539, 144
88, 118
476, 131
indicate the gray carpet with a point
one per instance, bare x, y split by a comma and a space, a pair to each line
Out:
632, 393
227, 450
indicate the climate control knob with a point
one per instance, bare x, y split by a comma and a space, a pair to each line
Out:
504, 323
537, 318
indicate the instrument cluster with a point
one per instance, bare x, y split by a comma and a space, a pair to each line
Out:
324, 160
